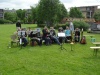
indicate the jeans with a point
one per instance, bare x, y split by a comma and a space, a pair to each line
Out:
25, 42
47, 40
77, 38
55, 39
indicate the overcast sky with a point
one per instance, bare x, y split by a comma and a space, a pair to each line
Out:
25, 4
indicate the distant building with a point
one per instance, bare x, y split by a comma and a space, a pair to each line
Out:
88, 11
28, 15
7, 10
98, 10
1, 14
28, 12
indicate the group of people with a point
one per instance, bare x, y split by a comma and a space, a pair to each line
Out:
48, 36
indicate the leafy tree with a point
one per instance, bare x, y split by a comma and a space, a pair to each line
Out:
47, 11
20, 14
34, 13
75, 13
97, 15
10, 16
62, 12
81, 24
29, 19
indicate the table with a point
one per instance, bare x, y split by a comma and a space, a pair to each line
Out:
95, 50
96, 43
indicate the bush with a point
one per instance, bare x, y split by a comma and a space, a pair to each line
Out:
41, 25
60, 25
81, 24
7, 21
77, 24
3, 21
55, 26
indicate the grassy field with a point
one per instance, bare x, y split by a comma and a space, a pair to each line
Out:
47, 60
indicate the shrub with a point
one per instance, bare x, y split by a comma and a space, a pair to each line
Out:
60, 25
7, 21
41, 25
55, 26
67, 24
81, 24
77, 24
3, 21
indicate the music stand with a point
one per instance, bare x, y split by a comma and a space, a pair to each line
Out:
38, 29
61, 35
21, 34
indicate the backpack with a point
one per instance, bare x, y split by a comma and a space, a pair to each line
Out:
83, 40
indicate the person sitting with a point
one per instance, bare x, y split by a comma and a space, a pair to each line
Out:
53, 35
77, 35
46, 36
39, 35
29, 30
34, 38
22, 35
61, 39
38, 32
67, 34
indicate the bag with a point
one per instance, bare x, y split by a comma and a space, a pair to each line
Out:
83, 40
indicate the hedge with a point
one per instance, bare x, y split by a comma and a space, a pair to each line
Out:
77, 24
3, 21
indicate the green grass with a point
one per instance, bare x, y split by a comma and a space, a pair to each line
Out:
47, 60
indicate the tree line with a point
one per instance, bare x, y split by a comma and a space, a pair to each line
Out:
50, 12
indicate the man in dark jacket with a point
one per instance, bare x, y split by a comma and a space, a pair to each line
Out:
18, 24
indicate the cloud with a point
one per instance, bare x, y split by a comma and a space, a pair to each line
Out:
4, 1
25, 4
78, 3
66, 1
17, 4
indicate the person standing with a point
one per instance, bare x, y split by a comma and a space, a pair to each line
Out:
18, 25
71, 27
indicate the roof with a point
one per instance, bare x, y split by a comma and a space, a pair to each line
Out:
90, 6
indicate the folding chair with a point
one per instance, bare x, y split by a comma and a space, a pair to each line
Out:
14, 39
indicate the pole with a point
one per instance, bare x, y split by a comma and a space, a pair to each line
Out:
21, 40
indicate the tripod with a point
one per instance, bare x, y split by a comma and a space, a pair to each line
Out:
61, 36
62, 48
